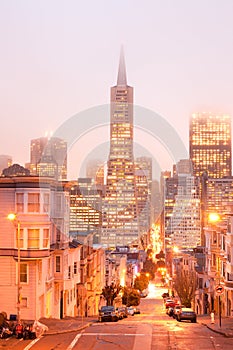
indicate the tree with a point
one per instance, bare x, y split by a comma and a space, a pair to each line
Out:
160, 256
141, 282
185, 284
130, 297
150, 267
110, 293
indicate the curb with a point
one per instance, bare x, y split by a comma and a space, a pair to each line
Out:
68, 330
227, 335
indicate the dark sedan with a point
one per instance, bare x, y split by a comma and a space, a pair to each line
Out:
108, 313
187, 314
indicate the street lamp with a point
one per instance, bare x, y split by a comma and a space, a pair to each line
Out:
13, 217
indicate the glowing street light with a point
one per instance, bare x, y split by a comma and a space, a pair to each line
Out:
176, 249
13, 217
214, 217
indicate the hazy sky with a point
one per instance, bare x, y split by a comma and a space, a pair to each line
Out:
59, 58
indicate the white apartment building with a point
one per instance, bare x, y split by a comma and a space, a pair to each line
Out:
49, 270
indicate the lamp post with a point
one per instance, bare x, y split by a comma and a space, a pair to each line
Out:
13, 217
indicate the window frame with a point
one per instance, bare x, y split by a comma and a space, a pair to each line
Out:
33, 204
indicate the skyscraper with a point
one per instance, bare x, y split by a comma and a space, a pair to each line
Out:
85, 206
210, 144
48, 157
5, 162
181, 215
120, 219
143, 182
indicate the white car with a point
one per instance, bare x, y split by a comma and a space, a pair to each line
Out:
130, 310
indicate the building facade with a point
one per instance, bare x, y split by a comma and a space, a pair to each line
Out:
182, 218
143, 183
5, 162
43, 219
48, 157
85, 205
60, 274
120, 215
210, 144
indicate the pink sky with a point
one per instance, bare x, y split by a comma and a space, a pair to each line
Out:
61, 57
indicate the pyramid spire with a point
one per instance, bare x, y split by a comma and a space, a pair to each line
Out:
121, 78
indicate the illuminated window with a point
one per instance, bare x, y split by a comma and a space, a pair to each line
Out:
45, 238
19, 202
33, 202
33, 238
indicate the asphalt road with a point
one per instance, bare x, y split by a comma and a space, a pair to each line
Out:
150, 330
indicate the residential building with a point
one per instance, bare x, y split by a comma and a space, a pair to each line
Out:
92, 274
39, 239
228, 268
215, 238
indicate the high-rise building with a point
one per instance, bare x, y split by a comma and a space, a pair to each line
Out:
143, 182
210, 144
5, 162
185, 220
48, 157
169, 200
85, 206
219, 196
95, 170
182, 224
120, 217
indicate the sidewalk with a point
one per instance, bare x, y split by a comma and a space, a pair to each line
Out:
67, 324
226, 328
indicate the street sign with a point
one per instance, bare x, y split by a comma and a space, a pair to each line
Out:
219, 289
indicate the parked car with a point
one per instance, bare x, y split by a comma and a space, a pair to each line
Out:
187, 314
170, 303
108, 313
122, 312
137, 310
170, 311
130, 310
177, 310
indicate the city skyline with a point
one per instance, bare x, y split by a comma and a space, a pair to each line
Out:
179, 61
